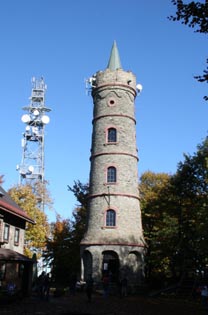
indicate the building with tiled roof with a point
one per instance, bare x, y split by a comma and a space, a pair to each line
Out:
15, 268
12, 223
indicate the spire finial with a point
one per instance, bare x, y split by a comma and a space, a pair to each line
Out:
114, 61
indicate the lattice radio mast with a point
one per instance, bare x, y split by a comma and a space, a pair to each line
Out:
32, 167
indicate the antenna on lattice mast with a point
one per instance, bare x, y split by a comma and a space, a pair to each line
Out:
32, 166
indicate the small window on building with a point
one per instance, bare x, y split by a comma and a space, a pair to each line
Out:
111, 174
16, 236
110, 218
112, 135
6, 232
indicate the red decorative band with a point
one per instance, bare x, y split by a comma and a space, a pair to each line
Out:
113, 194
114, 115
113, 153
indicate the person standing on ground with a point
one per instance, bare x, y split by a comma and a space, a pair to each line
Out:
105, 281
124, 284
72, 284
46, 287
204, 296
89, 288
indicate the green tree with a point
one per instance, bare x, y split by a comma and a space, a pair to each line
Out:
174, 213
190, 184
81, 192
194, 15
79, 220
160, 227
58, 254
79, 217
63, 249
35, 236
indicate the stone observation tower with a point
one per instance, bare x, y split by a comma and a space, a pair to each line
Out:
113, 242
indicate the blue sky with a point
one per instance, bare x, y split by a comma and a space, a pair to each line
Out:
68, 41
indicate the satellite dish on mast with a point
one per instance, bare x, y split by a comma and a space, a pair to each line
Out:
31, 169
45, 119
139, 87
25, 118
36, 112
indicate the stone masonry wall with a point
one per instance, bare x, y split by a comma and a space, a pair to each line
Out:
114, 94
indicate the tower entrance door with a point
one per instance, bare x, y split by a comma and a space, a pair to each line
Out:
110, 265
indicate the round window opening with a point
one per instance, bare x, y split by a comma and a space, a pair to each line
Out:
111, 102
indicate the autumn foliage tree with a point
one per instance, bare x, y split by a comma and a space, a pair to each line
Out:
58, 253
63, 248
35, 236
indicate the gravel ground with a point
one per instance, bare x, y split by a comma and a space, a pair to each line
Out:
78, 305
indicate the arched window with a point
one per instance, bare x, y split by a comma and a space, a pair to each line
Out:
112, 135
110, 218
111, 174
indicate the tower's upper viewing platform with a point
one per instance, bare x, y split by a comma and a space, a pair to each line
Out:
114, 75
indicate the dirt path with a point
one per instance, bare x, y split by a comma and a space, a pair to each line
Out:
76, 305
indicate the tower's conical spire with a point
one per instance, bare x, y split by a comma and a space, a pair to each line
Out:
114, 61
